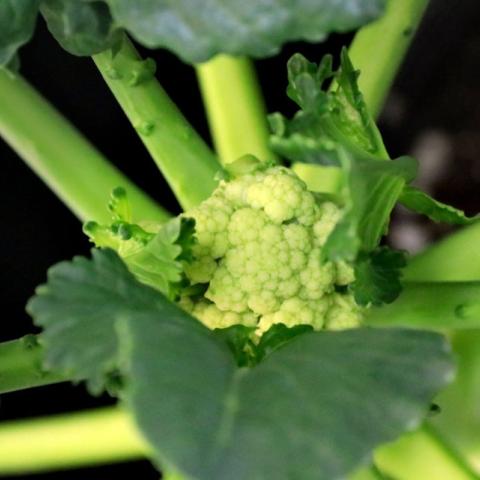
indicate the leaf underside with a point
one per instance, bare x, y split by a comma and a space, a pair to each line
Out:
195, 30
313, 408
81, 28
17, 22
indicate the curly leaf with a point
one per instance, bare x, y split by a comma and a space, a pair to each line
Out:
377, 276
420, 202
333, 112
17, 22
156, 259
159, 262
78, 308
82, 28
199, 29
334, 127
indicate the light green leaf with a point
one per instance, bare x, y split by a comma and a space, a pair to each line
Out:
17, 22
159, 262
198, 29
81, 27
313, 409
420, 202
371, 190
155, 257
334, 127
332, 113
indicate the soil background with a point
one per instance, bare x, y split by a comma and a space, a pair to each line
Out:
432, 113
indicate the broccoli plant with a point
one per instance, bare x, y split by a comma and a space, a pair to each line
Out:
268, 331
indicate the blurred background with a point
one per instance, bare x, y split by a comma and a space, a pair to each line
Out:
432, 113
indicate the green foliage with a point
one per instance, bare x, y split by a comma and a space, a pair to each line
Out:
325, 398
332, 112
334, 127
194, 30
81, 28
78, 308
370, 191
248, 350
239, 339
420, 202
377, 276
277, 336
17, 22
155, 258
328, 116
197, 30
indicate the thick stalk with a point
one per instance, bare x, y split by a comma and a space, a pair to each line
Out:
61, 156
379, 48
108, 435
235, 108
455, 258
183, 157
71, 440
432, 305
423, 455
21, 365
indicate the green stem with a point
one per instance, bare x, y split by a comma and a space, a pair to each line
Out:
455, 258
379, 48
183, 157
235, 108
432, 305
70, 440
460, 417
61, 156
21, 365
423, 454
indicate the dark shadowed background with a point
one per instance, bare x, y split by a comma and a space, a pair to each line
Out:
432, 113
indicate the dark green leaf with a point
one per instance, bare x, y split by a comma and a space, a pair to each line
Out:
78, 308
420, 202
17, 22
239, 339
276, 336
198, 29
81, 27
247, 352
314, 409
377, 276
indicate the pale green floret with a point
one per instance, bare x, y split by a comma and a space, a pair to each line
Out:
343, 313
259, 252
